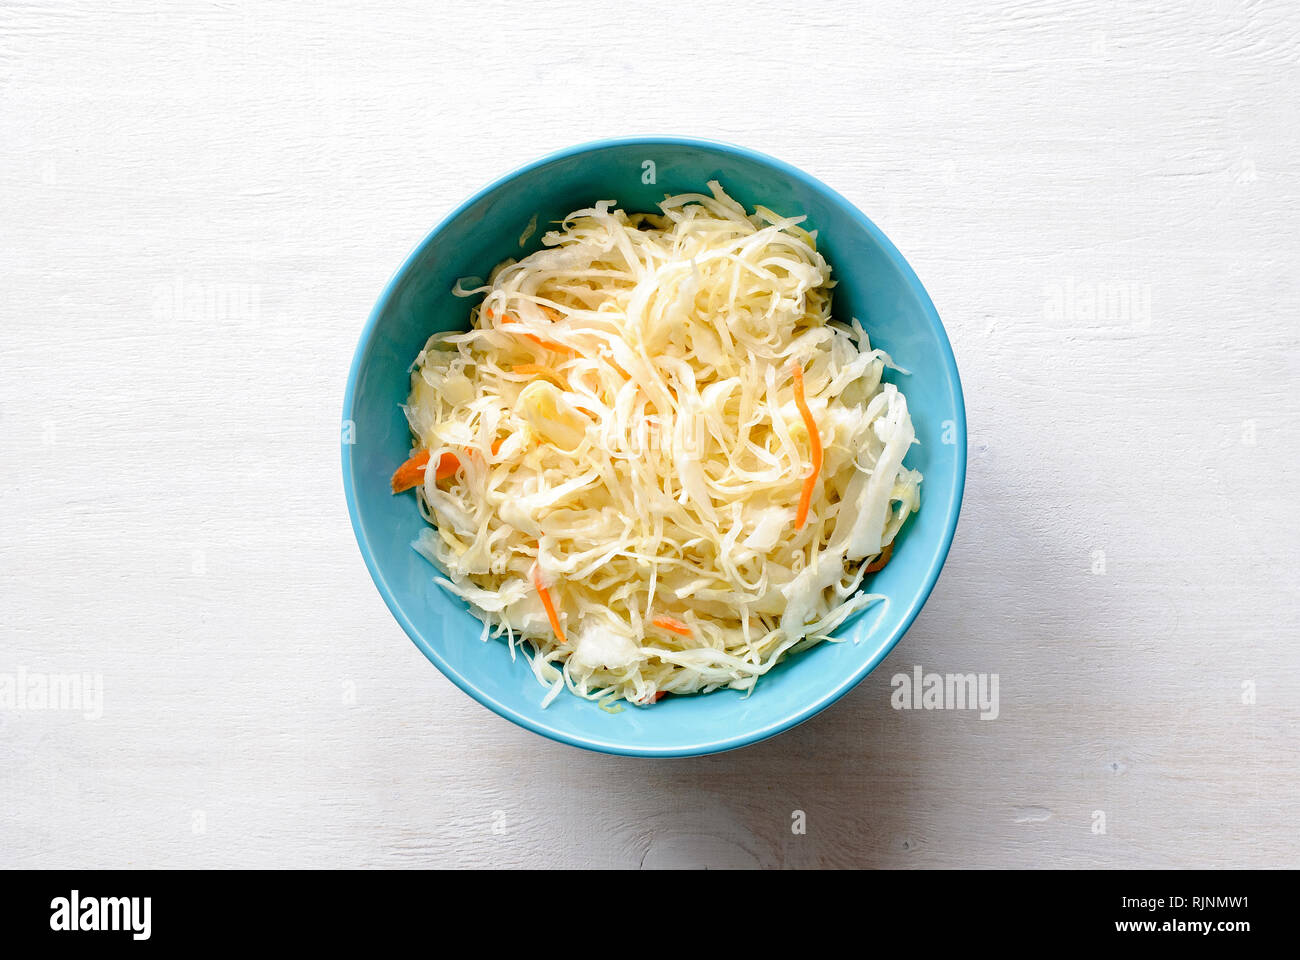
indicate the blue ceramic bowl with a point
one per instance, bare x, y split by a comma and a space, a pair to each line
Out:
875, 285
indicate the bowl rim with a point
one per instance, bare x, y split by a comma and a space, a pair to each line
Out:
793, 717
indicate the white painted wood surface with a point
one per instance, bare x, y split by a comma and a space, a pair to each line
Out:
173, 516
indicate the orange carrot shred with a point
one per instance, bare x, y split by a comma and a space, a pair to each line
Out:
411, 473
671, 624
621, 372
496, 445
548, 604
551, 315
537, 370
546, 344
814, 438
448, 464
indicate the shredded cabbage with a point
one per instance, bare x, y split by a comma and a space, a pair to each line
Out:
623, 423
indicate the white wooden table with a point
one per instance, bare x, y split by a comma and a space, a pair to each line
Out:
202, 201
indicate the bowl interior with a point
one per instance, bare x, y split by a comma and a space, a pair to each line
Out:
874, 284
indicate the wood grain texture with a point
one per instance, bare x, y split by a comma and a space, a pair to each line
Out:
201, 202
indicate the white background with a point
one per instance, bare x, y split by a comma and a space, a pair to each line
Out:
173, 516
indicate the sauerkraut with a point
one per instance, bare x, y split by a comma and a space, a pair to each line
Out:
616, 462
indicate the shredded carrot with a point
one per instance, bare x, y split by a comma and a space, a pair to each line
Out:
880, 561
411, 473
814, 438
621, 372
545, 344
659, 695
548, 603
551, 315
537, 370
496, 445
447, 466
671, 624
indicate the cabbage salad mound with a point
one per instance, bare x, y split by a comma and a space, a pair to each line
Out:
655, 464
